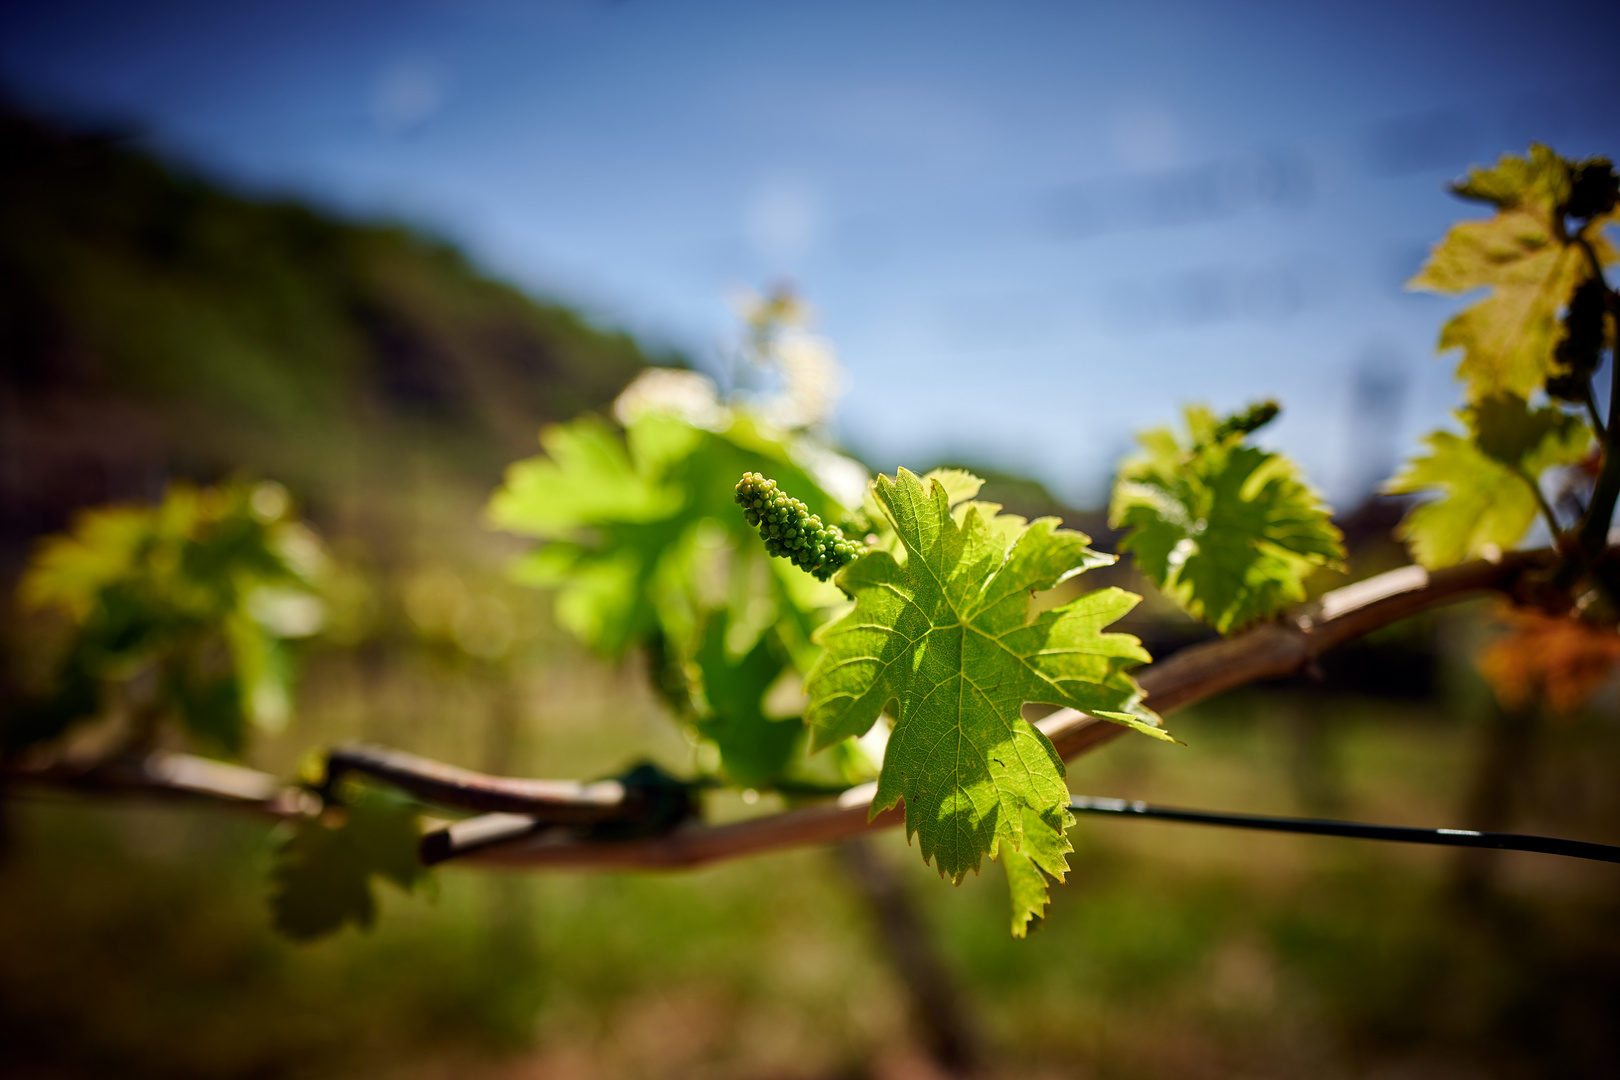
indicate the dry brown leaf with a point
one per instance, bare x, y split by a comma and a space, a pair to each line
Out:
1561, 660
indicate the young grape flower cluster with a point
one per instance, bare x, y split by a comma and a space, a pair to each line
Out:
1246, 422
791, 531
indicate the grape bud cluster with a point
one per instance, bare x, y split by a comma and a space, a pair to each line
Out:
1247, 422
791, 531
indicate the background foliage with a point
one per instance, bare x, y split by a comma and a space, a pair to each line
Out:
1274, 956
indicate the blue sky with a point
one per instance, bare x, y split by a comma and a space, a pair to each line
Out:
1029, 228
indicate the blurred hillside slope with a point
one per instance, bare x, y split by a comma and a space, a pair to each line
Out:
153, 325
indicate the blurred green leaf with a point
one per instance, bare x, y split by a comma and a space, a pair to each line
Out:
1508, 430
641, 533
1228, 531
322, 874
644, 546
209, 705
1487, 498
1484, 507
946, 635
586, 476
201, 591
755, 749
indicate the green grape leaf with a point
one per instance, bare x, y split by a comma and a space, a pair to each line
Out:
945, 636
1228, 531
1506, 429
1487, 502
959, 484
1027, 883
69, 571
586, 475
1531, 267
609, 521
642, 535
209, 707
322, 873
185, 605
1485, 507
754, 749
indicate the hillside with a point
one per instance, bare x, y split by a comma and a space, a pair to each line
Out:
153, 325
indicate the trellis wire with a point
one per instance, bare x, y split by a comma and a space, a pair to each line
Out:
1545, 845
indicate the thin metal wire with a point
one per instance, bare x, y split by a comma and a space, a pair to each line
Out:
1546, 845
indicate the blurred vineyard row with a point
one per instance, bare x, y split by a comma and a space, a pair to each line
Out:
154, 327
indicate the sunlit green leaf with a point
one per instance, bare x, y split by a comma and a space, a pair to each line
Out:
1026, 883
1228, 531
959, 484
944, 640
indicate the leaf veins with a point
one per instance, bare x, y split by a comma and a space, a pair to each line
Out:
942, 637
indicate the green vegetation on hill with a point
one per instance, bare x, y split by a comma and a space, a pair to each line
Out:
152, 324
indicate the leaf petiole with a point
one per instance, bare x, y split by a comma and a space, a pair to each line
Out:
1594, 529
1593, 415
1541, 502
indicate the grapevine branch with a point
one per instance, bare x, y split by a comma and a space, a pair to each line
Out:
1191, 675
545, 823
558, 802
163, 774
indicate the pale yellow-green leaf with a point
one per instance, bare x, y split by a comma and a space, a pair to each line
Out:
1485, 501
1531, 268
1507, 338
1484, 507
